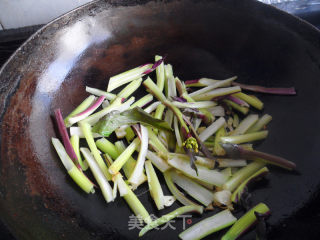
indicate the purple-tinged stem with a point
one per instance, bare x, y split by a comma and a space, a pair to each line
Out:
235, 150
65, 137
154, 66
256, 88
237, 101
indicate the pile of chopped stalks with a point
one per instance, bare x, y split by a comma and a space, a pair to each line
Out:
199, 134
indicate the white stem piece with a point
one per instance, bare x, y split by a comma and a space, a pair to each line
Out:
138, 169
195, 190
209, 131
98, 175
78, 131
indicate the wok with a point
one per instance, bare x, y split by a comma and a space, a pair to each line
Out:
217, 39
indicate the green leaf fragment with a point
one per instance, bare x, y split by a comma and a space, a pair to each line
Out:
115, 119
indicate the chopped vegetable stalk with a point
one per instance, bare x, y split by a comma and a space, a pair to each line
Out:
208, 186
243, 110
235, 122
204, 174
217, 111
207, 116
207, 162
156, 143
128, 76
169, 200
227, 172
215, 85
200, 104
116, 105
217, 149
246, 123
77, 131
209, 144
134, 203
87, 112
203, 82
209, 225
190, 142
194, 189
160, 72
177, 132
78, 177
238, 151
114, 190
203, 161
245, 222
128, 167
200, 82
86, 129
229, 125
209, 131
130, 88
225, 162
168, 70
107, 147
115, 120
236, 195
121, 131
169, 84
158, 161
247, 146
142, 101
241, 175
122, 186
249, 137
124, 156
169, 75
75, 140
154, 186
223, 199
170, 216
261, 228
168, 117
163, 138
130, 134
105, 103
108, 159
65, 138
281, 91
172, 90
131, 75
84, 105
175, 191
264, 120
98, 92
152, 107
98, 175
237, 101
168, 136
138, 169
197, 123
253, 101
217, 93
159, 111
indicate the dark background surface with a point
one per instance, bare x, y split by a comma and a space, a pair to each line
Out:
10, 40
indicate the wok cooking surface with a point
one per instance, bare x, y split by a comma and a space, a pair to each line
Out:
264, 47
